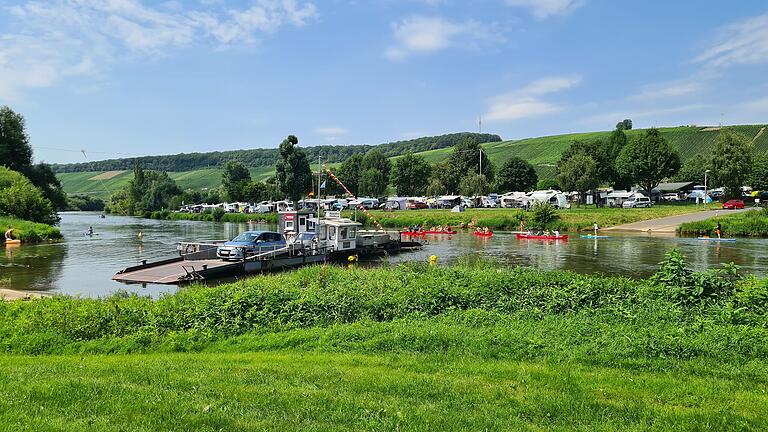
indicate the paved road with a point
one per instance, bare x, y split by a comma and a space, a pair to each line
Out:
669, 224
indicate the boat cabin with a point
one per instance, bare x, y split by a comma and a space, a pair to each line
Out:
336, 233
296, 221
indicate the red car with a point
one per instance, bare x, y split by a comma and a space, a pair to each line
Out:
733, 204
416, 205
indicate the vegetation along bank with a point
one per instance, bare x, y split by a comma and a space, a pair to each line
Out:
465, 347
29, 232
749, 224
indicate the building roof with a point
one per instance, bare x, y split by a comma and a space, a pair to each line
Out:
674, 187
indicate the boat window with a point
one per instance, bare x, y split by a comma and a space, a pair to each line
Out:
323, 232
353, 232
332, 233
343, 233
302, 221
288, 225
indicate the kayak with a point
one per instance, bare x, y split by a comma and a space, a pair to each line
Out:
483, 234
594, 237
542, 237
717, 239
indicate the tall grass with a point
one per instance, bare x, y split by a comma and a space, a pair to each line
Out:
748, 224
29, 232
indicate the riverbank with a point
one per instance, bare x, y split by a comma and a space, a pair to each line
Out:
29, 232
468, 347
753, 223
573, 219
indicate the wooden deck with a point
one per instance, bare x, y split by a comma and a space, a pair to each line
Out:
177, 270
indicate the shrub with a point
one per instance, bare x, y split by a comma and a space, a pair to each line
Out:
217, 214
21, 199
685, 286
542, 214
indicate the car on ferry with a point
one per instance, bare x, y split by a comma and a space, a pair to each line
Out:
250, 243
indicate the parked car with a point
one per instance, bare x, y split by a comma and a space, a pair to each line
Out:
733, 205
416, 205
670, 197
250, 243
637, 202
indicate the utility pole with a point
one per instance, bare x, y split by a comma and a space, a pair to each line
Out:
319, 177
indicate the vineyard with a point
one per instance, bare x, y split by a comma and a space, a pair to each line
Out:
542, 152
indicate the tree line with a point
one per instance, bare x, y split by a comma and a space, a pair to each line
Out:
27, 190
268, 157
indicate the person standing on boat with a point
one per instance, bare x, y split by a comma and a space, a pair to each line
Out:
719, 230
595, 228
9, 234
90, 231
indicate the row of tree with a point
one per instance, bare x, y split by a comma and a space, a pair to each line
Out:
28, 191
269, 157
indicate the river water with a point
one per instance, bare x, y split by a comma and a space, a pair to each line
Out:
83, 265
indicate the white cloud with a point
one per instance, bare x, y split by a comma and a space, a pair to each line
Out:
526, 102
694, 84
331, 131
653, 115
546, 8
424, 35
745, 42
51, 40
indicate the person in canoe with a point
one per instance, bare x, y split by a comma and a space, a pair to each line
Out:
448, 229
486, 230
9, 234
557, 233
719, 230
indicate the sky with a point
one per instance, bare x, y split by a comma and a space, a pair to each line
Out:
120, 78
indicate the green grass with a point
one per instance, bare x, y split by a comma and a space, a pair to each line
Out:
469, 347
29, 232
352, 392
542, 152
750, 224
574, 219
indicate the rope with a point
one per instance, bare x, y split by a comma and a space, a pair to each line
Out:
360, 206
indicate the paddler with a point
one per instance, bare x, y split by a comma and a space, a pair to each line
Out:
9, 234
90, 231
595, 228
719, 229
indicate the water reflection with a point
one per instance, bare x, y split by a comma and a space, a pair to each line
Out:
83, 265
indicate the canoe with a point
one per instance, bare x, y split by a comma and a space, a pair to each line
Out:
413, 233
440, 232
542, 237
13, 242
483, 234
594, 237
717, 239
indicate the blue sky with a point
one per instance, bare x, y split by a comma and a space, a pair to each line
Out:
134, 77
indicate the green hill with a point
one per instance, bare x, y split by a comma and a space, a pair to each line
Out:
542, 152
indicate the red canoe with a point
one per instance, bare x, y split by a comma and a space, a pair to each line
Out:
542, 237
483, 234
440, 232
421, 233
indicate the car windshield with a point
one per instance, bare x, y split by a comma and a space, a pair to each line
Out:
246, 237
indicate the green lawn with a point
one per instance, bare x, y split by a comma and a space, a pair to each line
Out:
750, 224
476, 346
299, 391
573, 219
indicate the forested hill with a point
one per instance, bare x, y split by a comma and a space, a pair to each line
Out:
261, 157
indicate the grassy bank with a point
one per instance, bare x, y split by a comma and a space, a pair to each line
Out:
749, 224
29, 232
467, 347
216, 217
574, 219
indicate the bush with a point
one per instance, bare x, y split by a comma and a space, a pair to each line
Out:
685, 286
20, 198
542, 214
217, 214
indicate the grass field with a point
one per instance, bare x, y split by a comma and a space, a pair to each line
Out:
474, 346
749, 224
574, 219
542, 152
28, 232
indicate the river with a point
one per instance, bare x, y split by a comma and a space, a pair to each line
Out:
83, 265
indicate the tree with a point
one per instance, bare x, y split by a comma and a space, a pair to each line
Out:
147, 191
625, 124
579, 173
732, 161
516, 175
293, 173
372, 183
648, 160
42, 176
474, 185
465, 160
409, 173
235, 179
596, 150
21, 199
759, 175
255, 191
349, 174
548, 184
693, 169
435, 187
375, 159
15, 151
